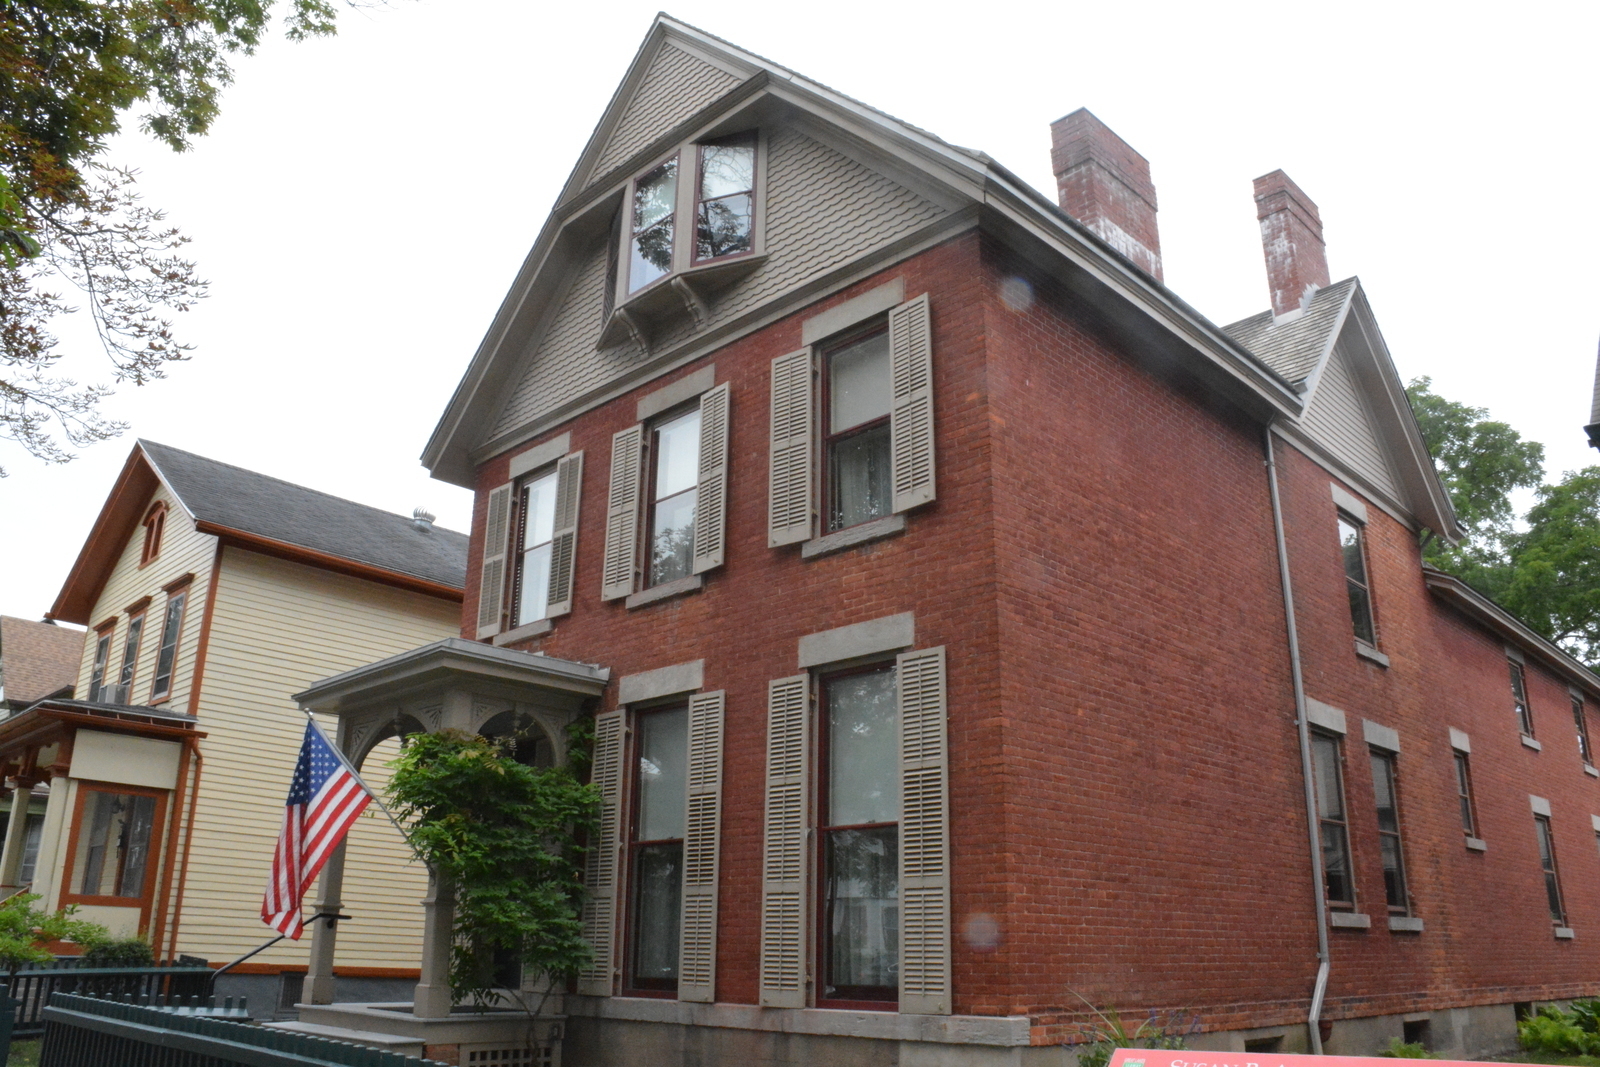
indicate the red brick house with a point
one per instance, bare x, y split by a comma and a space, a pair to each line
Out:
973, 629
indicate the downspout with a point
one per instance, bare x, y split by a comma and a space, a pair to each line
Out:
1313, 827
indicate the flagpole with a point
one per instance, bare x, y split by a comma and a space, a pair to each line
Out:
337, 751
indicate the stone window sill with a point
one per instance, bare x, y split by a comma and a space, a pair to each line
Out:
1366, 651
1405, 924
838, 541
1528, 742
1564, 933
665, 591
1352, 920
523, 633
1591, 771
1477, 844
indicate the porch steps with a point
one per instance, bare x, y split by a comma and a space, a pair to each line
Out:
408, 1046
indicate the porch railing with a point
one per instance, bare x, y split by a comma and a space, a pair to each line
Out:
93, 1032
32, 988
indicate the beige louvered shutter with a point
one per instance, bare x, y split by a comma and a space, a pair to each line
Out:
911, 416
783, 879
600, 902
789, 505
564, 544
711, 502
697, 954
496, 550
924, 835
622, 514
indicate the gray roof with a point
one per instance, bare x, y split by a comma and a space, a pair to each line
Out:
253, 503
1295, 347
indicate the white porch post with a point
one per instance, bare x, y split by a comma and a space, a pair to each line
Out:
325, 932
432, 998
16, 837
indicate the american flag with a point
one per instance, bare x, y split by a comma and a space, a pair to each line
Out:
325, 798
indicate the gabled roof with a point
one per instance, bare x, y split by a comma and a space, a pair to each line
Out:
267, 514
37, 659
688, 81
1333, 346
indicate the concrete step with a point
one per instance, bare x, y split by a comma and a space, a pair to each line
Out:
408, 1046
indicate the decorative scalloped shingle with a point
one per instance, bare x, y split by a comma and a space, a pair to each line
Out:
675, 87
823, 210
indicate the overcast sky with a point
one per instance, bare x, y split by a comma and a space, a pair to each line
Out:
363, 202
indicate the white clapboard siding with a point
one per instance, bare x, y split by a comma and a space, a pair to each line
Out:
564, 542
1341, 418
911, 413
276, 628
622, 514
711, 500
790, 507
600, 904
697, 954
924, 834
783, 888
496, 551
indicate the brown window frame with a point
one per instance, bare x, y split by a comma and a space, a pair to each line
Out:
177, 589
1580, 719
1469, 803
134, 637
830, 440
1551, 868
1519, 696
101, 662
753, 139
632, 984
153, 872
155, 524
1391, 770
868, 998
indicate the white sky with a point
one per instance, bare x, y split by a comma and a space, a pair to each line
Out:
363, 202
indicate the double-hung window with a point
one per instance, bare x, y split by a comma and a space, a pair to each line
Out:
1469, 815
536, 518
102, 653
1352, 545
130, 658
1552, 878
654, 215
1581, 721
167, 655
852, 424
674, 492
1327, 759
661, 741
530, 542
1519, 696
1387, 802
860, 837
725, 198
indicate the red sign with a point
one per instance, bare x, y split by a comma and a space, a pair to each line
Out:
1146, 1057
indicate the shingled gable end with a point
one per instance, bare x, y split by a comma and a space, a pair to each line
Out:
927, 568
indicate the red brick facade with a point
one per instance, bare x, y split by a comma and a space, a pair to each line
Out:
1126, 792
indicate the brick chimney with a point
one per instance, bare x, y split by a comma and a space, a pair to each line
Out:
1105, 184
1291, 241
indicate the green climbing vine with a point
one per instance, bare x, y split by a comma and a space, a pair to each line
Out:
505, 837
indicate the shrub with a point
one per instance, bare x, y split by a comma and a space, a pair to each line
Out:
1406, 1050
1110, 1034
1553, 1030
126, 952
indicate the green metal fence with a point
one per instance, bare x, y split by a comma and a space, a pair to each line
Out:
33, 987
91, 1032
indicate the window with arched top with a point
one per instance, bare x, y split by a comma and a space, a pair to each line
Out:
155, 521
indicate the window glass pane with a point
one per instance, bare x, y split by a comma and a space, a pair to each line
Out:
677, 454
672, 538
1336, 863
539, 511
1464, 788
726, 168
1394, 879
1361, 613
1355, 568
658, 897
97, 677
30, 848
652, 256
663, 774
169, 644
862, 873
130, 653
858, 383
722, 227
1383, 793
533, 594
1325, 768
113, 844
654, 195
863, 749
858, 477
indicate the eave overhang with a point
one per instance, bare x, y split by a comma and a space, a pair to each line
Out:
1486, 613
50, 720
119, 517
269, 546
451, 662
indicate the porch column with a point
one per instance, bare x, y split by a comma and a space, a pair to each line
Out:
325, 932
432, 998
16, 837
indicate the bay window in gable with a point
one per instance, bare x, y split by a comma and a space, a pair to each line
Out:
690, 224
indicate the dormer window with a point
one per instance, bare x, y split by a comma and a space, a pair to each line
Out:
690, 224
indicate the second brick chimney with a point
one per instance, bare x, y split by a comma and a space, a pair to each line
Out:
1105, 184
1291, 240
